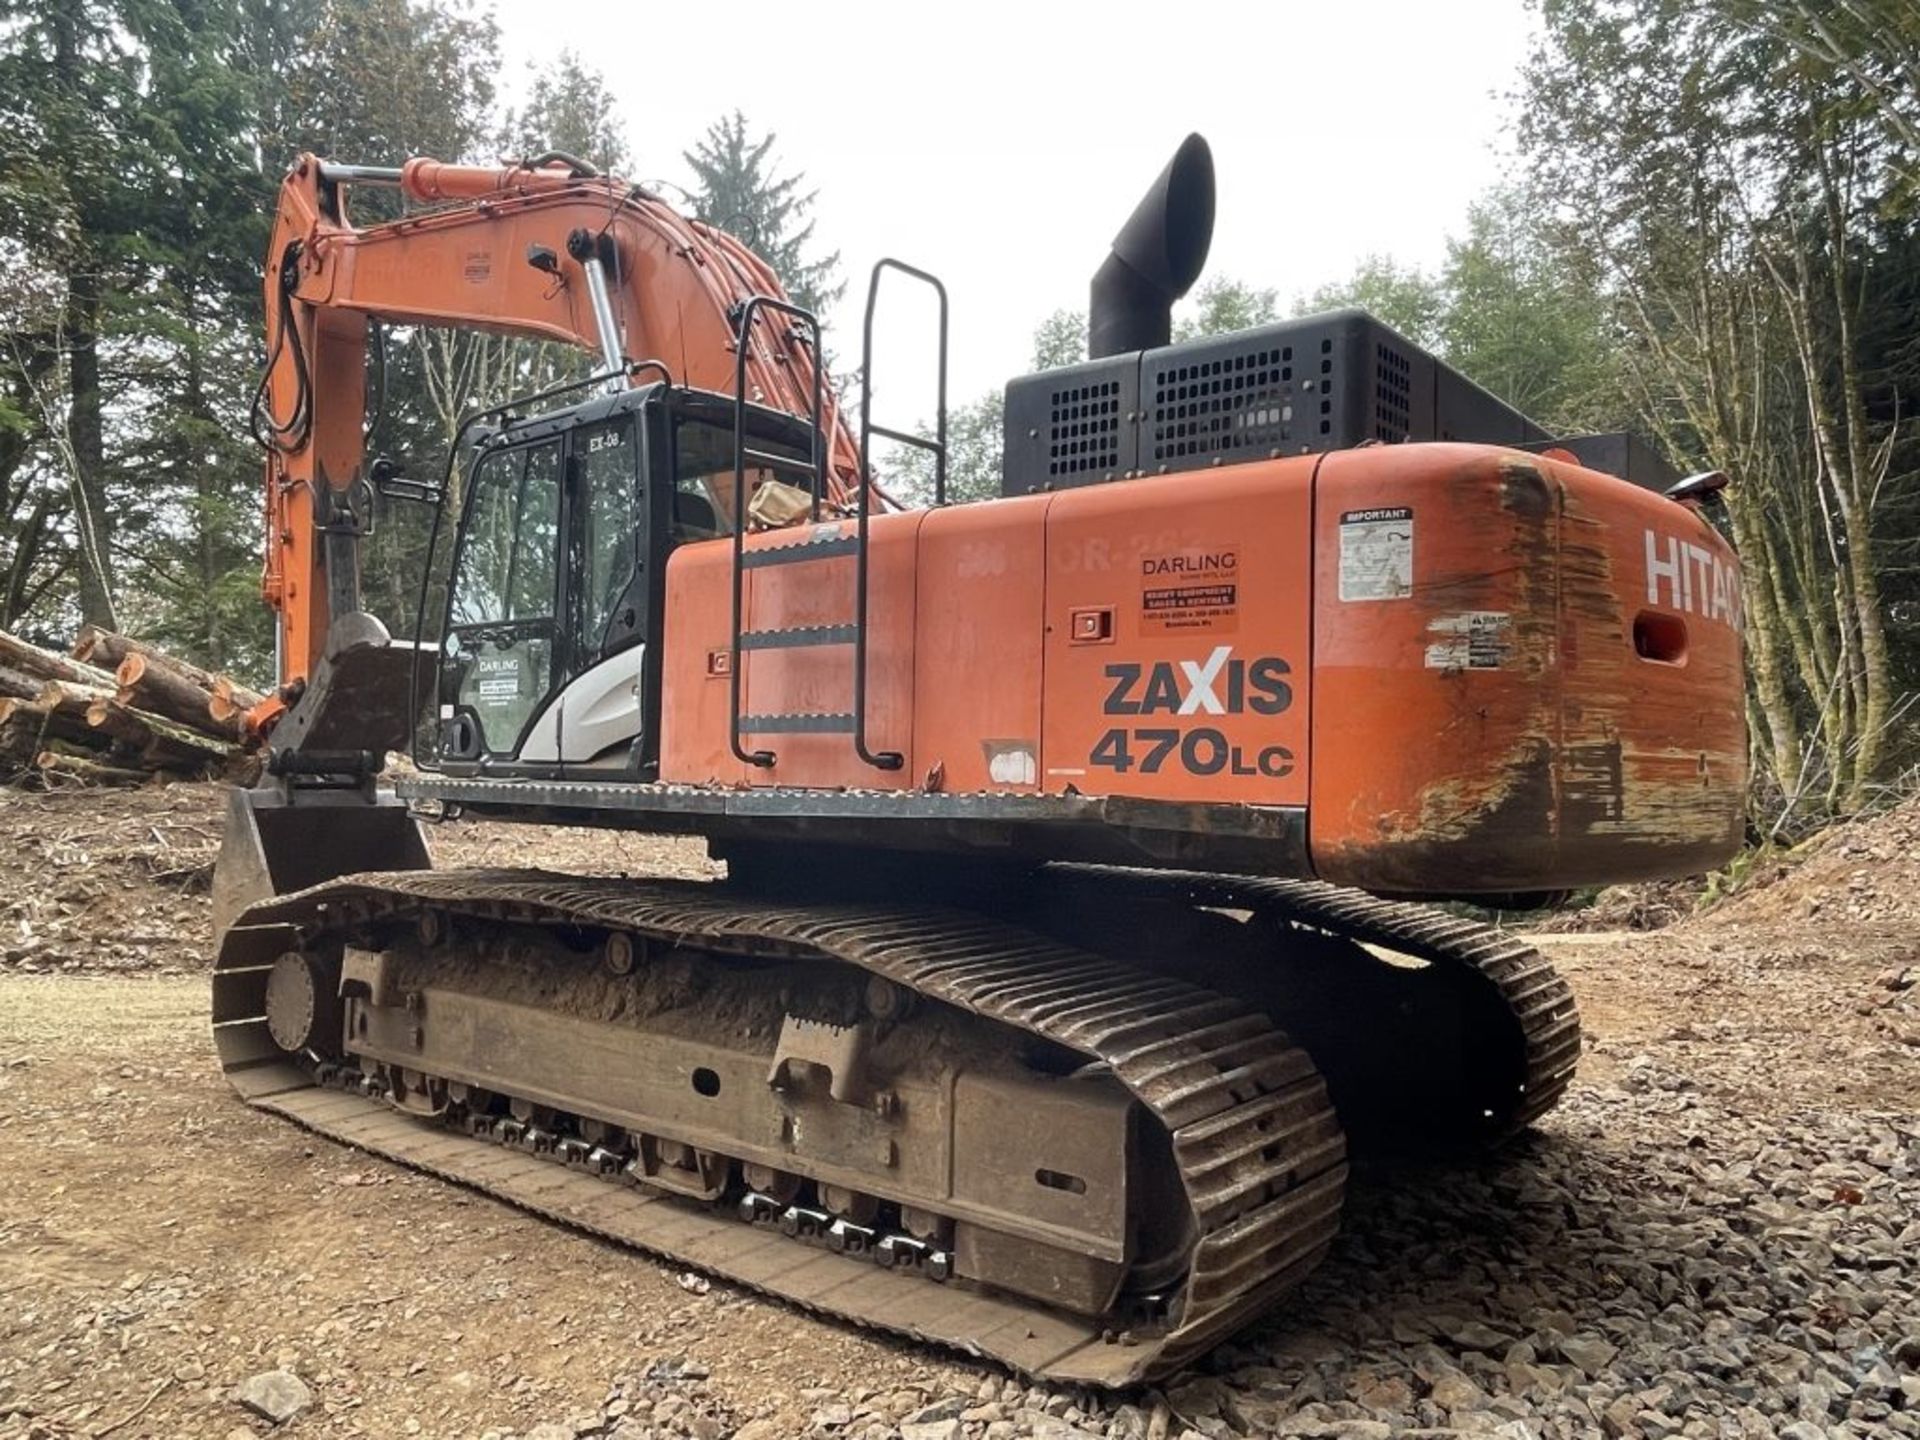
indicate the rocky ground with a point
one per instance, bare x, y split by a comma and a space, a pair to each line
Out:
1717, 1234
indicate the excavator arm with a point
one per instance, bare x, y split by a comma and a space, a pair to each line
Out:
547, 250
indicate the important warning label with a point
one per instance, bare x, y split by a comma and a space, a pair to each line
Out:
1376, 553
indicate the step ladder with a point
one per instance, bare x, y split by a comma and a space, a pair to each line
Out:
810, 551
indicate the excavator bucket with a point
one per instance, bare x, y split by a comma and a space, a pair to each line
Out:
274, 844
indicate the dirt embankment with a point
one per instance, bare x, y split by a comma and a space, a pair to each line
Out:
117, 881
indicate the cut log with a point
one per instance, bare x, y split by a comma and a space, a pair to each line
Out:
91, 772
109, 651
228, 700
231, 701
54, 713
96, 645
158, 742
68, 697
17, 684
163, 689
16, 654
151, 714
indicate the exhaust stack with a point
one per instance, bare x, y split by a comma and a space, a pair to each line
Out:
1156, 257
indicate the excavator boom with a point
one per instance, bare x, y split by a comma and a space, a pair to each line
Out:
541, 251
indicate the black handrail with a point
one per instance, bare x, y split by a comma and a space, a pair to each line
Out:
887, 759
816, 472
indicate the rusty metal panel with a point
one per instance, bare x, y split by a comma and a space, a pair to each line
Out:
1490, 724
1048, 1152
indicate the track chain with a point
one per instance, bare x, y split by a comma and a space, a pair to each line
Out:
1261, 1155
1538, 999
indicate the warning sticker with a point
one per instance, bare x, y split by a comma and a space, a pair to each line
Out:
1471, 640
1376, 553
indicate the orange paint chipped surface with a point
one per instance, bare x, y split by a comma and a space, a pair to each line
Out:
1474, 670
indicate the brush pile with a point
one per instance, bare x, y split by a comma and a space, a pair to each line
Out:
118, 712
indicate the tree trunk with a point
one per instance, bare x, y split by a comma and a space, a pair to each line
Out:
166, 688
42, 665
17, 591
92, 508
86, 444
91, 772
1857, 484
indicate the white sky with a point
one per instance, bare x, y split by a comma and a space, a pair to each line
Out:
1001, 146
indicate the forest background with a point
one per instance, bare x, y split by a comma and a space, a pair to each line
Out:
1707, 235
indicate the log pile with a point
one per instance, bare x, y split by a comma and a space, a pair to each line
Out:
118, 712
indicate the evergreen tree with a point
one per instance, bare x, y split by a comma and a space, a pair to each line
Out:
569, 108
140, 144
740, 190
375, 81
76, 150
184, 352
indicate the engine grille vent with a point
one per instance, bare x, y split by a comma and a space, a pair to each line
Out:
1085, 434
1392, 394
1218, 406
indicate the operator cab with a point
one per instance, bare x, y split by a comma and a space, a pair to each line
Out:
549, 662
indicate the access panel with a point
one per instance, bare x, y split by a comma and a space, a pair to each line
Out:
1177, 627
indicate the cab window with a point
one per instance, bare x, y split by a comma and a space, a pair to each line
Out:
610, 485
703, 477
500, 641
506, 563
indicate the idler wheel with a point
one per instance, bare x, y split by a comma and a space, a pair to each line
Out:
303, 1004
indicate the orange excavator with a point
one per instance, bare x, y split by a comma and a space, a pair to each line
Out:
1076, 839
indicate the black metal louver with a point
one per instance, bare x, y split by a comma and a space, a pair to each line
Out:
1392, 394
1223, 405
1085, 432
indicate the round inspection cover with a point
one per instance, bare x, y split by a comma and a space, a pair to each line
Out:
290, 1002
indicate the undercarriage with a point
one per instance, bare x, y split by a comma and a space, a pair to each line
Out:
1084, 1120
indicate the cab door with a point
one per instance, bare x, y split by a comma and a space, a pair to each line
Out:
603, 705
498, 660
